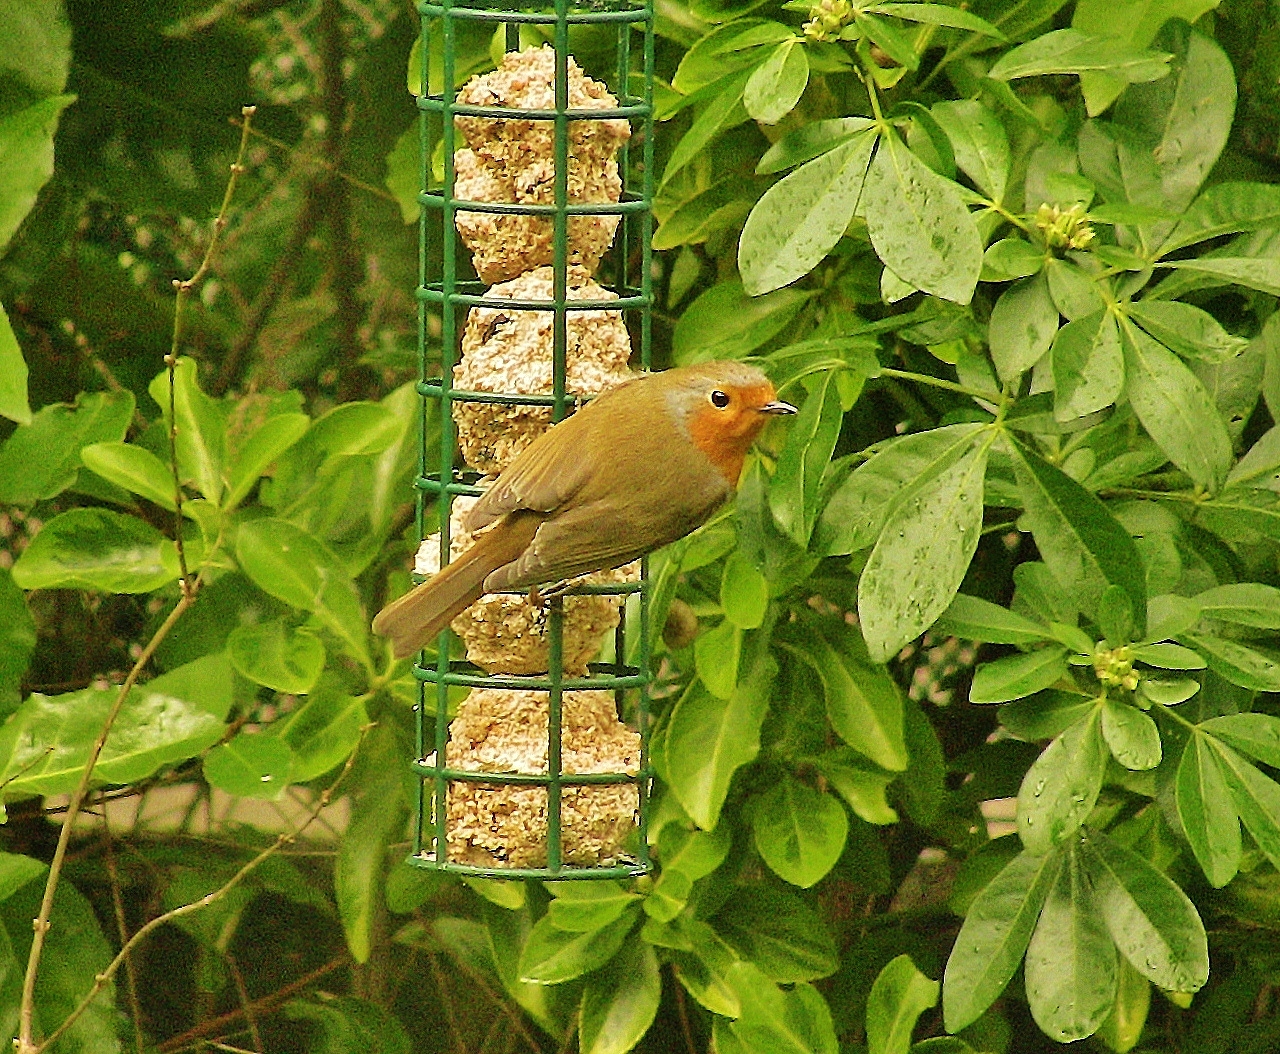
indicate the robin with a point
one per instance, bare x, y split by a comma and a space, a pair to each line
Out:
632, 471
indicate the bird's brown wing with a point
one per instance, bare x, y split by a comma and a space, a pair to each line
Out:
550, 471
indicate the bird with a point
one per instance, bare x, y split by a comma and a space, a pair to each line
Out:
636, 468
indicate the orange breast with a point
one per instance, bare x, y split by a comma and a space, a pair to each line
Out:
725, 436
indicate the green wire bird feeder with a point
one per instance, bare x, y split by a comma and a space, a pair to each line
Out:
535, 775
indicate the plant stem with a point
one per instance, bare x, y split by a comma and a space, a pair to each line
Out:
938, 382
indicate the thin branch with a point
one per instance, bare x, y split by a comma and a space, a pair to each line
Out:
104, 978
243, 994
117, 904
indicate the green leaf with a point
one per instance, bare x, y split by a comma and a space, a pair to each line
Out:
1260, 466
354, 430
1187, 330
802, 216
864, 703
1022, 327
321, 729
722, 108
1011, 258
695, 219
1252, 272
1168, 692
97, 549
581, 907
708, 739
1168, 656
978, 139
41, 459
46, 743
344, 1023
1084, 546
776, 85
1152, 921
250, 766
1070, 51
855, 513
1132, 736
1244, 603
1018, 675
922, 554
1088, 366
744, 592
1071, 962
889, 39
976, 619
26, 158
13, 375
553, 956
17, 640
800, 832
276, 655
860, 785
725, 323
940, 15
1257, 735
899, 995
994, 936
919, 225
132, 467
1060, 789
1238, 663
1115, 617
202, 428
778, 932
620, 1001
1206, 811
1073, 290
1045, 715
797, 482
1256, 797
716, 654
793, 1022
291, 565
1226, 208
726, 48
1175, 409
276, 435
810, 140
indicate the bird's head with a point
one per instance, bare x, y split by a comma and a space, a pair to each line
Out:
723, 405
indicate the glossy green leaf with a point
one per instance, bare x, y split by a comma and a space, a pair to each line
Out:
810, 140
1088, 366
1257, 735
41, 459
1071, 962
726, 323
1249, 271
45, 744
777, 931
1238, 663
1206, 811
97, 549
726, 48
1260, 466
1018, 675
1070, 51
892, 41
1060, 789
277, 656
800, 832
995, 934
276, 435
336, 1023
858, 783
802, 216
1226, 208
350, 430
899, 995
1045, 715
1022, 328
552, 955
1153, 923
922, 554
291, 565
716, 653
1166, 656
940, 15
1244, 603
855, 513
1082, 543
722, 108
250, 766
744, 592
26, 162
1132, 736
1011, 258
708, 739
796, 486
620, 1001
973, 618
321, 730
1074, 290
201, 439
793, 1022
919, 224
132, 467
775, 86
1168, 691
1176, 410
17, 640
1187, 330
581, 907
13, 375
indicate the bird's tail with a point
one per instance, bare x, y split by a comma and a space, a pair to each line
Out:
419, 616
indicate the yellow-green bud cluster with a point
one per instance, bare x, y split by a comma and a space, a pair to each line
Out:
827, 18
1114, 667
1064, 228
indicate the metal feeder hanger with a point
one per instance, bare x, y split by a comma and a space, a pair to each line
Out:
438, 480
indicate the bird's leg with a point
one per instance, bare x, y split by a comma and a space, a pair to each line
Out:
540, 595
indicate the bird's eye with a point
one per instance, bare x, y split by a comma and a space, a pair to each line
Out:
719, 400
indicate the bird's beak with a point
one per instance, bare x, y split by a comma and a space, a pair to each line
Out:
777, 407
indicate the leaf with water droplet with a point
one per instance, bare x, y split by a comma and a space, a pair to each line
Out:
1071, 770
